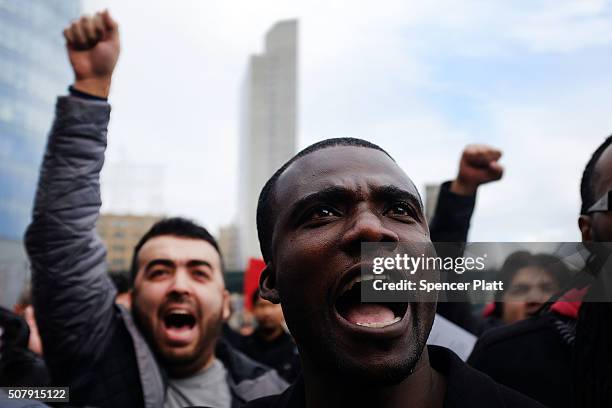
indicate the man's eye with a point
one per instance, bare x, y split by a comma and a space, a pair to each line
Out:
156, 273
322, 212
400, 210
200, 273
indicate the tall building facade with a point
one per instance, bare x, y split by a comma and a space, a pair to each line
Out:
120, 234
432, 191
268, 123
228, 240
33, 71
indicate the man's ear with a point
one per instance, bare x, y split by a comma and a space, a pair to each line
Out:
584, 223
267, 284
227, 309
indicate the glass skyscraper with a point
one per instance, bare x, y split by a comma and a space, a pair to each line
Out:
34, 69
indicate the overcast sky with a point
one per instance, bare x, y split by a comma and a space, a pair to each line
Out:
420, 78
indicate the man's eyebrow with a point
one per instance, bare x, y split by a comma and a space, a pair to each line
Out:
170, 264
390, 192
328, 194
198, 262
162, 262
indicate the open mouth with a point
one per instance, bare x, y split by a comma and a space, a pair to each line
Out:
372, 315
179, 327
179, 319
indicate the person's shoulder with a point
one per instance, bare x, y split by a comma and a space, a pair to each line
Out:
512, 398
480, 390
253, 378
492, 393
525, 330
292, 397
536, 338
239, 365
468, 387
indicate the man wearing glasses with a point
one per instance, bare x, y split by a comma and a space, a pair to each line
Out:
562, 357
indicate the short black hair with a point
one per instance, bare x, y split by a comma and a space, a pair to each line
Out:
177, 227
590, 176
265, 216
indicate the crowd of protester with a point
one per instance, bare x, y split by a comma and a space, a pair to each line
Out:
158, 336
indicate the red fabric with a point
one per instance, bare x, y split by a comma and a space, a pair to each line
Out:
251, 280
569, 304
488, 309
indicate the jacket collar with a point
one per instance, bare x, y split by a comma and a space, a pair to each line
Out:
465, 387
247, 379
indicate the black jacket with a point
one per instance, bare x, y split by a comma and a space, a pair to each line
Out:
465, 388
280, 354
532, 356
450, 224
19, 366
451, 219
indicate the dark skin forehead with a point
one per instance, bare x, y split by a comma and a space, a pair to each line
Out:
603, 173
355, 169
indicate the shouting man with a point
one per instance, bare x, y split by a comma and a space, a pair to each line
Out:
167, 351
312, 217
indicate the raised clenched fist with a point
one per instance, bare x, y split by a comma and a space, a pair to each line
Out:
93, 50
478, 165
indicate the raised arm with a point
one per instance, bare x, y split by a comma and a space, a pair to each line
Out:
451, 221
73, 297
479, 164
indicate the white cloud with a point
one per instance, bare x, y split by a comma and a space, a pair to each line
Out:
369, 69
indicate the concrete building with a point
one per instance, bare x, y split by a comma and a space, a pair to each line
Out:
431, 199
120, 234
33, 71
229, 242
268, 123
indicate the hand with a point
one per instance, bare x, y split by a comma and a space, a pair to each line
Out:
93, 49
478, 165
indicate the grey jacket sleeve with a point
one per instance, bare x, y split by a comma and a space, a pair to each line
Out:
73, 296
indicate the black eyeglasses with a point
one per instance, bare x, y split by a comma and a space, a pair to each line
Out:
603, 204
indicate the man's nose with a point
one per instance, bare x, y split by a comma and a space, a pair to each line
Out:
367, 226
181, 282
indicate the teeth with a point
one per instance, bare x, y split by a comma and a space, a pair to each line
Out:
364, 278
179, 311
380, 324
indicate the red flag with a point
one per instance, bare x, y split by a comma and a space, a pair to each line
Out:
251, 280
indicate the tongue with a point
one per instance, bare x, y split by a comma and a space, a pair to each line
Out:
369, 313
